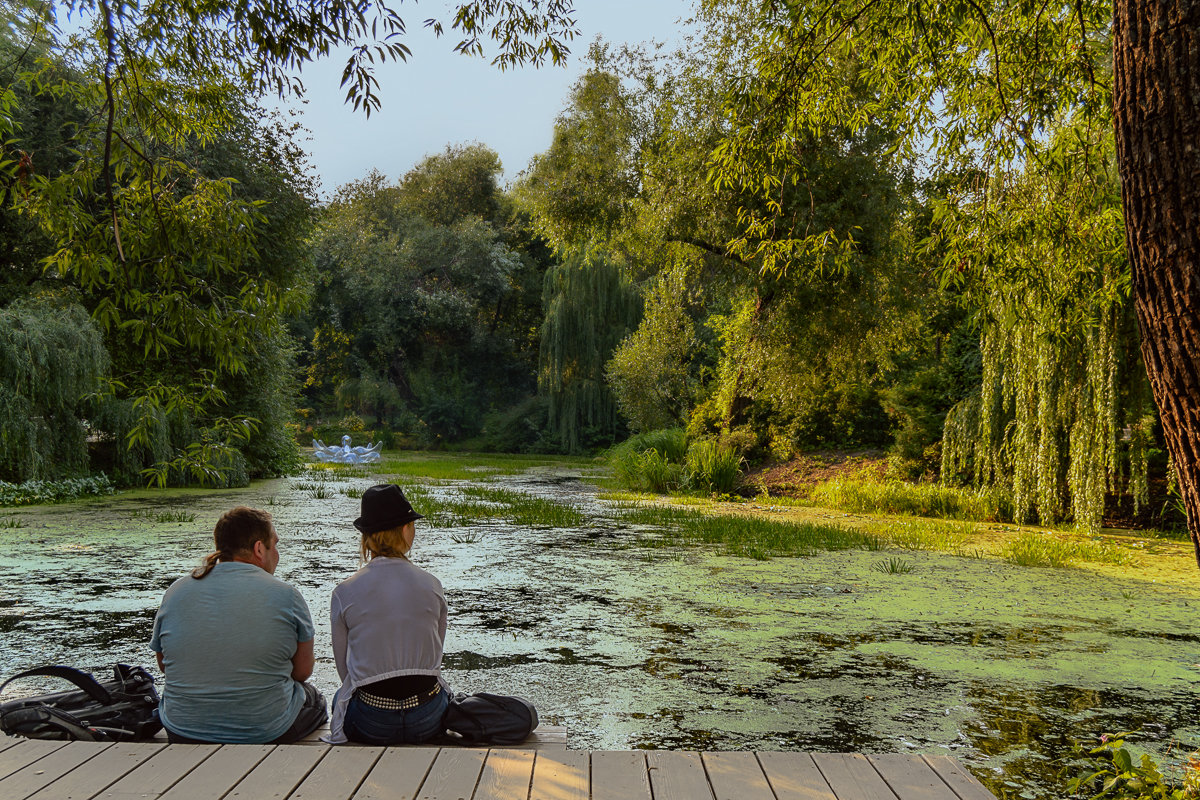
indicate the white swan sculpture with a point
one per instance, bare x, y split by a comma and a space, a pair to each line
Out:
345, 454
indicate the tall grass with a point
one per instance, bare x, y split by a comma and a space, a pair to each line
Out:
936, 536
924, 500
481, 504
752, 537
713, 467
670, 443
650, 462
1040, 550
648, 471
527, 509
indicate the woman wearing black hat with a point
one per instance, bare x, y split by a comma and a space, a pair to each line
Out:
389, 622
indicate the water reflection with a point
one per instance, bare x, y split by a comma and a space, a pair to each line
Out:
1000, 666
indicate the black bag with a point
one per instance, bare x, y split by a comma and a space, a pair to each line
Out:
119, 710
484, 718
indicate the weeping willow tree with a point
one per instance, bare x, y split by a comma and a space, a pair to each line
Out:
51, 358
1064, 414
590, 307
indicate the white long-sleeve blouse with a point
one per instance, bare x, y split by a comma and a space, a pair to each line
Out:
388, 619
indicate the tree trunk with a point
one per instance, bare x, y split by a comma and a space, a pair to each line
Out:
1156, 100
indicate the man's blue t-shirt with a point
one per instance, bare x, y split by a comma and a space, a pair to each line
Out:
227, 642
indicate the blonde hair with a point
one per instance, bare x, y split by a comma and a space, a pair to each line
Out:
389, 543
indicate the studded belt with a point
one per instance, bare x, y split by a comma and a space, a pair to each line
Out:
391, 704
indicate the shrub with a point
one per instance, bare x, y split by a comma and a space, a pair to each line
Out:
647, 471
650, 462
1114, 773
713, 467
38, 492
670, 443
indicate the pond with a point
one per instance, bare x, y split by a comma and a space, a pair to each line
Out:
629, 646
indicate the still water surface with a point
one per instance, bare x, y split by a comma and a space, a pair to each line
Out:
1003, 667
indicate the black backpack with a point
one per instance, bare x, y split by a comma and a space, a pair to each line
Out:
119, 710
484, 718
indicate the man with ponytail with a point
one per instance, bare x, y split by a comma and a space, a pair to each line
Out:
236, 644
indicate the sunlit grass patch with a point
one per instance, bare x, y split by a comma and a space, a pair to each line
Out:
926, 536
467, 466
1040, 550
691, 500
783, 501
623, 496
739, 535
352, 492
922, 500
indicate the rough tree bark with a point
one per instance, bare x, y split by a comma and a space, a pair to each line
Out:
1156, 99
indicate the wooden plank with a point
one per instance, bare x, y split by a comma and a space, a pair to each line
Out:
852, 777
736, 776
279, 773
677, 776
219, 773
7, 741
620, 775
794, 776
454, 774
100, 773
544, 737
398, 774
44, 771
560, 776
964, 784
339, 774
153, 777
506, 775
25, 752
911, 778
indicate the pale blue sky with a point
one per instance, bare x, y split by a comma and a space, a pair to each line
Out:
439, 97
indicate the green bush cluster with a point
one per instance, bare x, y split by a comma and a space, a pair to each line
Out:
713, 467
1114, 773
38, 492
662, 461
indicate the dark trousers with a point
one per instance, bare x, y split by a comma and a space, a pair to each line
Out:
312, 716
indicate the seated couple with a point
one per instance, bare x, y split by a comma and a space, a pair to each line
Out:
236, 644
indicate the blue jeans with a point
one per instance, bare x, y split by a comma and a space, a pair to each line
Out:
369, 725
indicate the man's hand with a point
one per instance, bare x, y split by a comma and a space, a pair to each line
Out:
302, 661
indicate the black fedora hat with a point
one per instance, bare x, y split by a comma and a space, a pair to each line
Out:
385, 507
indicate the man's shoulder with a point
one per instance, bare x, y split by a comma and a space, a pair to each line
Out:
232, 577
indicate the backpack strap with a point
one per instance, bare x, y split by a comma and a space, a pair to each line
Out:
81, 679
41, 717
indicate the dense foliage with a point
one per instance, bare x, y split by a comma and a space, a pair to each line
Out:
764, 239
426, 293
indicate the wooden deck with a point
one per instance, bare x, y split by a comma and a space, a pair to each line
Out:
42, 770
